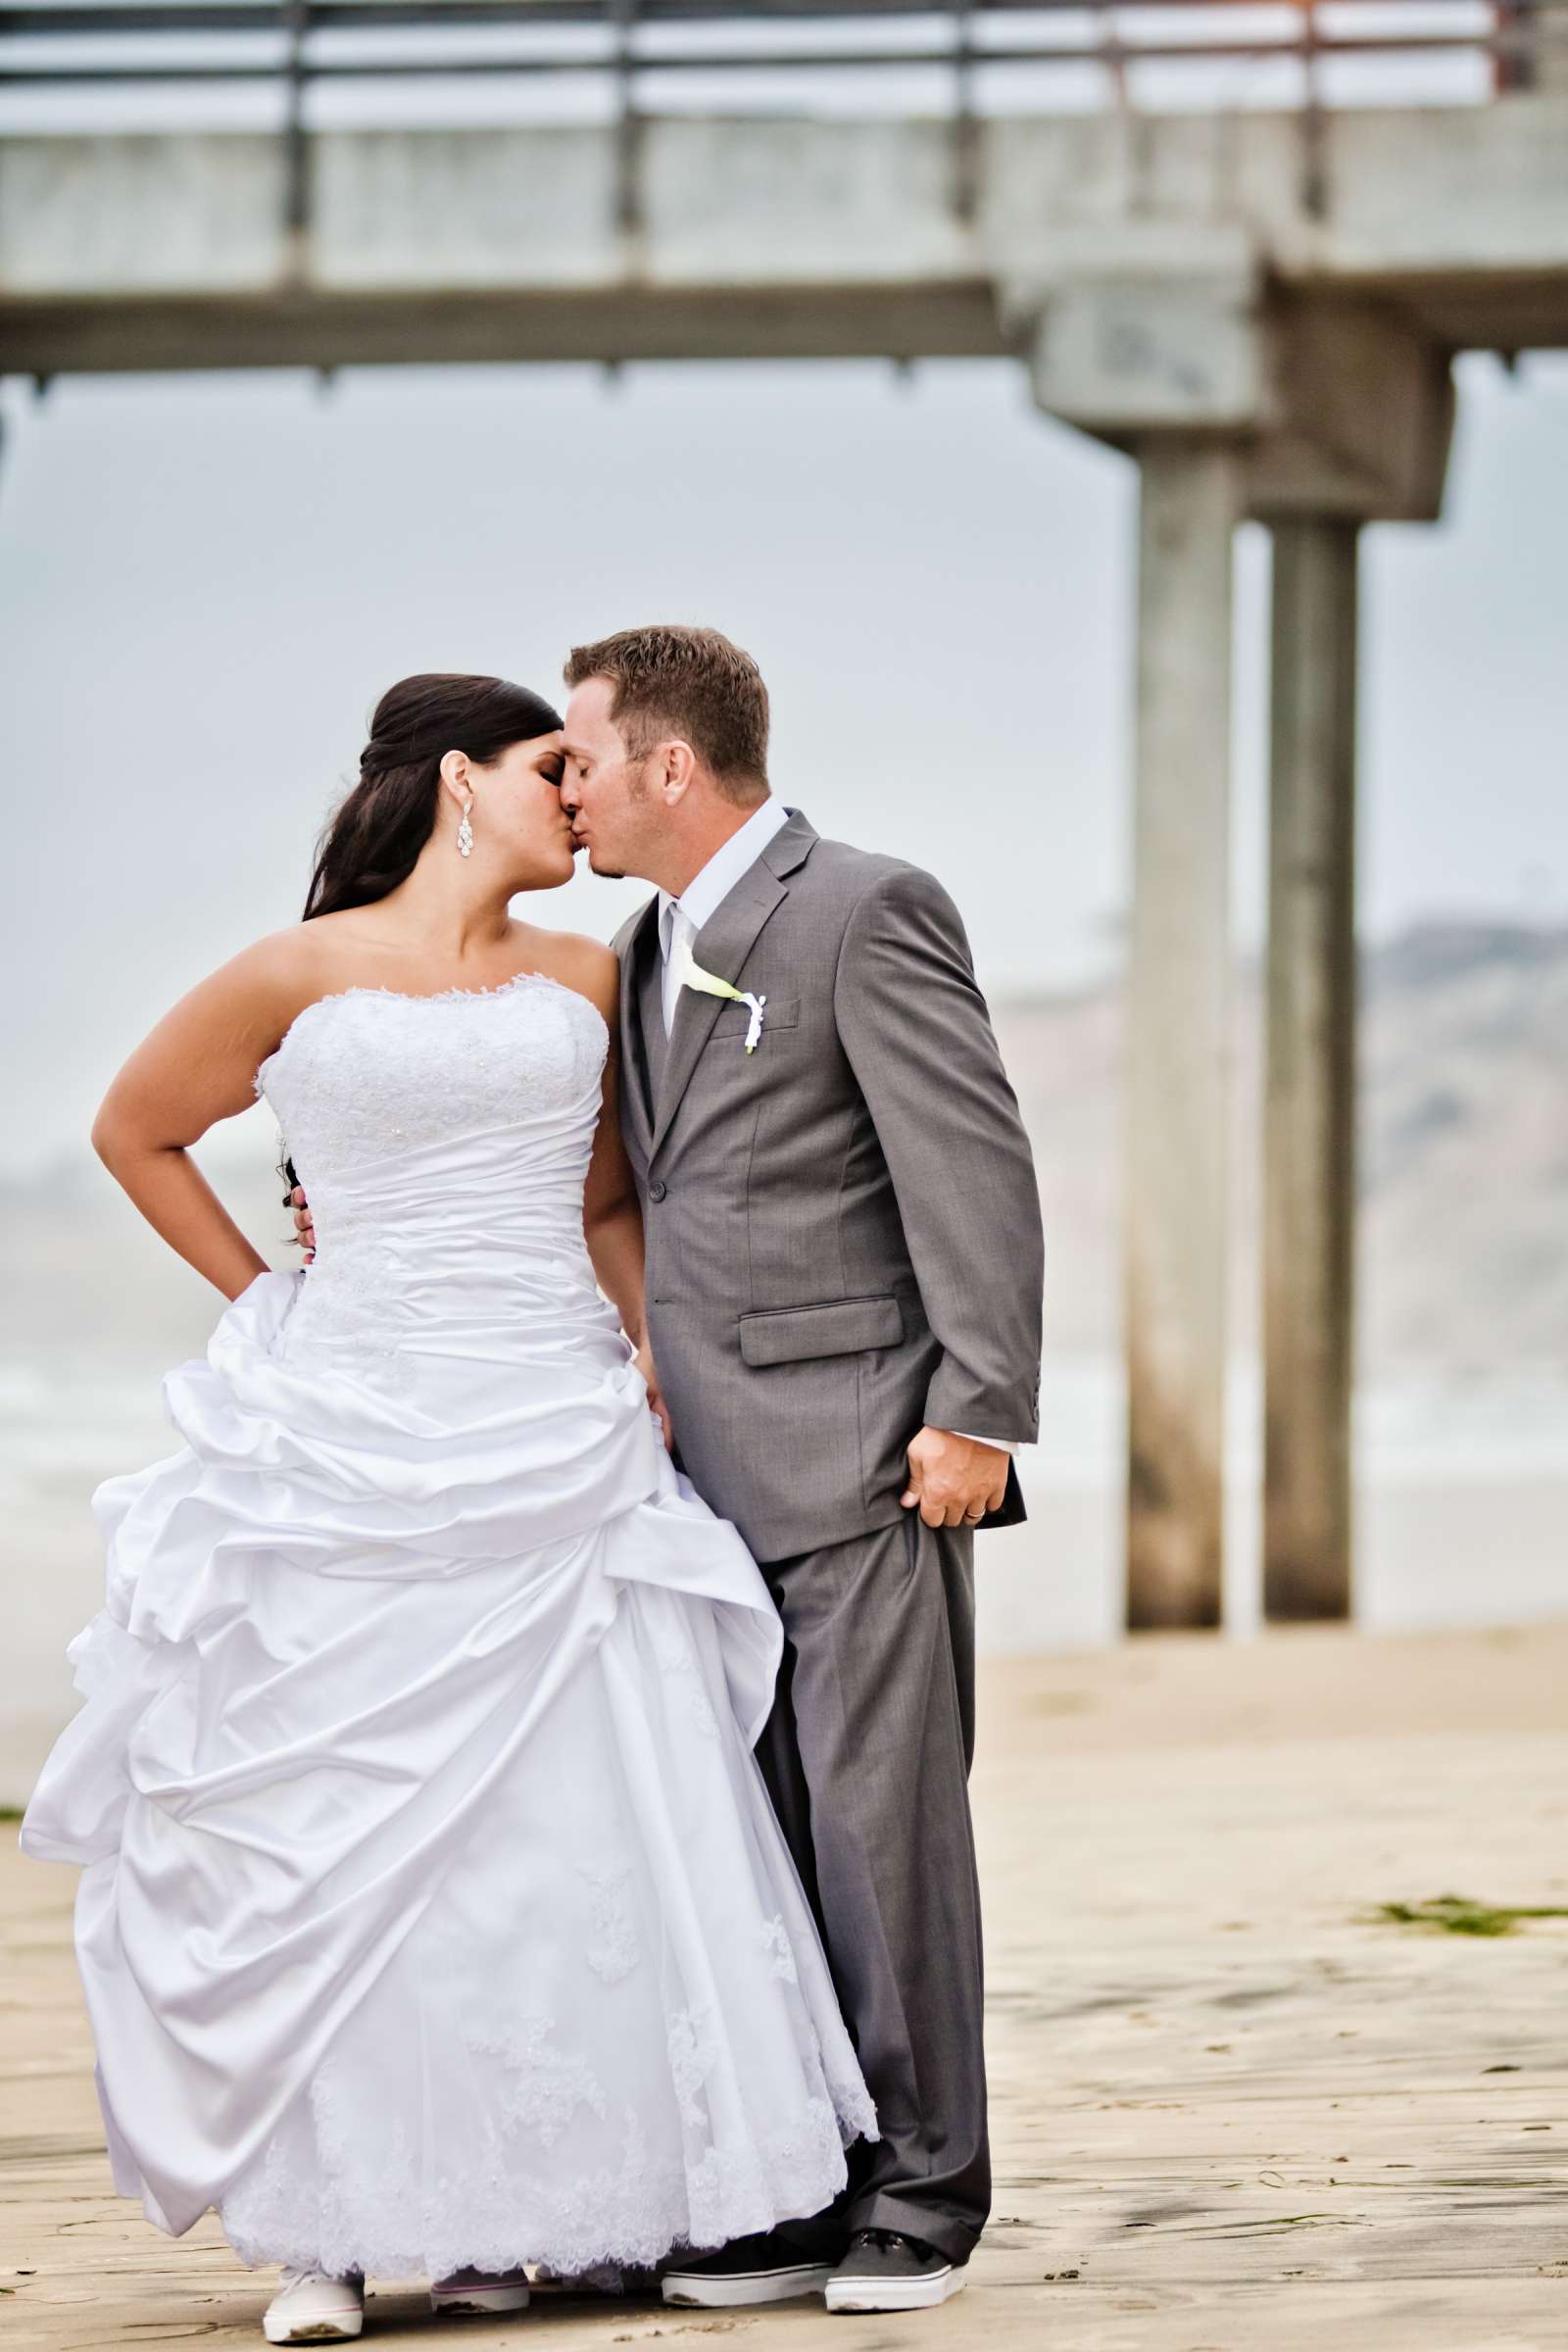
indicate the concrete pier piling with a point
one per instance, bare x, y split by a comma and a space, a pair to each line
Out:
1178, 1035
1309, 1073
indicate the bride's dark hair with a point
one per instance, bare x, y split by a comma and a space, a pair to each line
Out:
372, 840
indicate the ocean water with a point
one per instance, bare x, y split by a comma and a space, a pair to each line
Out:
1461, 1506
1463, 1512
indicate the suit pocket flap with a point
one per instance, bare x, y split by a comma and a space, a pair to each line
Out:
779, 1012
791, 1335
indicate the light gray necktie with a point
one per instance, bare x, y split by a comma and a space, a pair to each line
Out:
673, 926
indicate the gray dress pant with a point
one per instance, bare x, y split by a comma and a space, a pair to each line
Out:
867, 1757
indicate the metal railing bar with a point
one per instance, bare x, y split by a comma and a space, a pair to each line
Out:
297, 73
622, 17
745, 62
222, 16
965, 123
132, 17
1314, 181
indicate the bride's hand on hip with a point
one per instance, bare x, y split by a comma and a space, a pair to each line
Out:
303, 1223
644, 1360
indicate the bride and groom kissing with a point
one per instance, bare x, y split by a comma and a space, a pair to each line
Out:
521, 1784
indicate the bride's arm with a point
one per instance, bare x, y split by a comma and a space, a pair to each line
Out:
196, 1067
611, 1220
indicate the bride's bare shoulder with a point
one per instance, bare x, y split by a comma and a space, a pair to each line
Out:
303, 957
225, 1025
583, 964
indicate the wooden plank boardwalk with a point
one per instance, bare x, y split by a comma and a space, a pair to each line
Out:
1236, 2110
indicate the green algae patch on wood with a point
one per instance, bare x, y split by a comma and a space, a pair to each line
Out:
1459, 1915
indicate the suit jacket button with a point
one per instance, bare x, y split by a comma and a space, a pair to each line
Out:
656, 1190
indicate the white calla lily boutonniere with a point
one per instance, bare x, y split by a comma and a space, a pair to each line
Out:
688, 973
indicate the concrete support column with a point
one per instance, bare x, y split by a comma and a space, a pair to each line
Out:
1309, 1095
1178, 1042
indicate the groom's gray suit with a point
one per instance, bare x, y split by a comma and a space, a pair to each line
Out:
844, 1243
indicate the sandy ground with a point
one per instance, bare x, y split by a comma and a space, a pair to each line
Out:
1233, 2110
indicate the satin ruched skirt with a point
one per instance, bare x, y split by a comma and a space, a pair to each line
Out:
433, 1911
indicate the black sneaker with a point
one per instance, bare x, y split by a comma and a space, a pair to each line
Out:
762, 2268
884, 2270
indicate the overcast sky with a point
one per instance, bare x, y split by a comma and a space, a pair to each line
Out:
206, 581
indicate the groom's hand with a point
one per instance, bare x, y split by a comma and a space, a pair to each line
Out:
303, 1222
656, 1395
953, 1480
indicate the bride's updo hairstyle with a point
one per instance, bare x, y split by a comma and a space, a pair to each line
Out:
373, 840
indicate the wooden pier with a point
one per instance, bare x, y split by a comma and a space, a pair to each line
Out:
1237, 2108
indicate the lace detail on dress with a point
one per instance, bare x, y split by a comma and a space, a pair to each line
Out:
353, 1301
613, 1952
693, 2052
614, 2215
774, 1938
678, 1661
723, 2185
546, 2085
364, 1073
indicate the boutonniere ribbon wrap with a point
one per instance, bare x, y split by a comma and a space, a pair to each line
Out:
688, 973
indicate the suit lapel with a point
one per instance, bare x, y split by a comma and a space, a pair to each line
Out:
721, 948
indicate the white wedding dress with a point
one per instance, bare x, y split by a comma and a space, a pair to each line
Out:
434, 1912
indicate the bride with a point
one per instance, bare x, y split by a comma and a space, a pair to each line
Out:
433, 1922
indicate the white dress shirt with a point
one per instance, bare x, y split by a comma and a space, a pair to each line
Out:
706, 892
701, 898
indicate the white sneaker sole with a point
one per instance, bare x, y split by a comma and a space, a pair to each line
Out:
896, 2294
690, 2293
341, 2330
478, 2299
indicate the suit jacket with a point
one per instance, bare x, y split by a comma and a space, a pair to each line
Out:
844, 1233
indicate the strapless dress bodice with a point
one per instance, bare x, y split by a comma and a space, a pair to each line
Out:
443, 1141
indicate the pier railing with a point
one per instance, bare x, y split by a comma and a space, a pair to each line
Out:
87, 64
641, 44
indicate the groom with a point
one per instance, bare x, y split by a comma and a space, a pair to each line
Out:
844, 1306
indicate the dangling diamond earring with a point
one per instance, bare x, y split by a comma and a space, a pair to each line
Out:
465, 837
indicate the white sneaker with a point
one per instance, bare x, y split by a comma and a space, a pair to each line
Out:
480, 2290
309, 2308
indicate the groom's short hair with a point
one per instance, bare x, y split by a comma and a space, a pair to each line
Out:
689, 682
